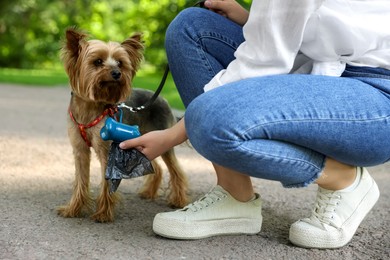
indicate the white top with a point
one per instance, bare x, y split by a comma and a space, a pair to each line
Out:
310, 37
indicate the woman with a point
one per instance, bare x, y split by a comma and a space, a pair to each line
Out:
295, 91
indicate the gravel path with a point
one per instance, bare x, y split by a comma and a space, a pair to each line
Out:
36, 175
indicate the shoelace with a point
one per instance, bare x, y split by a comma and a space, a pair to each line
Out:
207, 200
326, 204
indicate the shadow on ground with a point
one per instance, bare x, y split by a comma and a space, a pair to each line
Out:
36, 175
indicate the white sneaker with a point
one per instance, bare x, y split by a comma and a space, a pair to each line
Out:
216, 213
336, 215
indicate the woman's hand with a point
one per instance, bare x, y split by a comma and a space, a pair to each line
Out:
155, 143
230, 9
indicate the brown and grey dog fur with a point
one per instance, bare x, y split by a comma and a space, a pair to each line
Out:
100, 74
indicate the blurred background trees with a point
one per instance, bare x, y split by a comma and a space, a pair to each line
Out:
32, 31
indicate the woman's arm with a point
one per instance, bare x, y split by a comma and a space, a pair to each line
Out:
230, 9
155, 143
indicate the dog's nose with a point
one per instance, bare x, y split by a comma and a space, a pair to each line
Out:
116, 74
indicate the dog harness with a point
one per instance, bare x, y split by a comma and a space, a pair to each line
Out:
111, 111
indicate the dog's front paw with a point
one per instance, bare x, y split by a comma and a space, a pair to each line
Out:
103, 217
69, 212
105, 207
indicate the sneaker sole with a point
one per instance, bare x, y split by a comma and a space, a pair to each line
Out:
352, 223
203, 229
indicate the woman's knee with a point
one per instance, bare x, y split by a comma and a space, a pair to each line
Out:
183, 24
206, 126
196, 118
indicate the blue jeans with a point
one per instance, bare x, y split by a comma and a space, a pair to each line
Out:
279, 127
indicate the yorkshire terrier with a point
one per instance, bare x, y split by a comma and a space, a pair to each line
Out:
100, 76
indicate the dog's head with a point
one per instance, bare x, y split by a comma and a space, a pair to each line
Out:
100, 71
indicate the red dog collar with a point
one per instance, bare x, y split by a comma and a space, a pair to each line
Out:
111, 111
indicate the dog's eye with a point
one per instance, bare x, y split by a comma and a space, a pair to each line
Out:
98, 62
119, 63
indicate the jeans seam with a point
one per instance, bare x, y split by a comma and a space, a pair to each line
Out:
215, 36
275, 156
205, 60
316, 169
315, 120
218, 37
365, 75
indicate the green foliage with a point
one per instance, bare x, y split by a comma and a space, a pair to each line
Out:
32, 31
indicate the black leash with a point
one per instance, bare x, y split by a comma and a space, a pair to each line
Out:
160, 87
200, 4
153, 98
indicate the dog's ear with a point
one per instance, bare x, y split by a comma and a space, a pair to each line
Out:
74, 39
134, 47
71, 49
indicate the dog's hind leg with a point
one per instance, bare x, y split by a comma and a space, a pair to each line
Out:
178, 185
105, 202
152, 183
80, 197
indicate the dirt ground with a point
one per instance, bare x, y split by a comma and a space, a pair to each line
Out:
36, 175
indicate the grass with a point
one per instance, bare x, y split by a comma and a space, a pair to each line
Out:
52, 78
33, 77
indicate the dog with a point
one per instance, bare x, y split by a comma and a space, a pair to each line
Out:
100, 75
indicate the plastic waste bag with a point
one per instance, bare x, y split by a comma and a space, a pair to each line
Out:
125, 164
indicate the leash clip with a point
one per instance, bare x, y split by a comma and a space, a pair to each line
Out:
152, 99
131, 109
